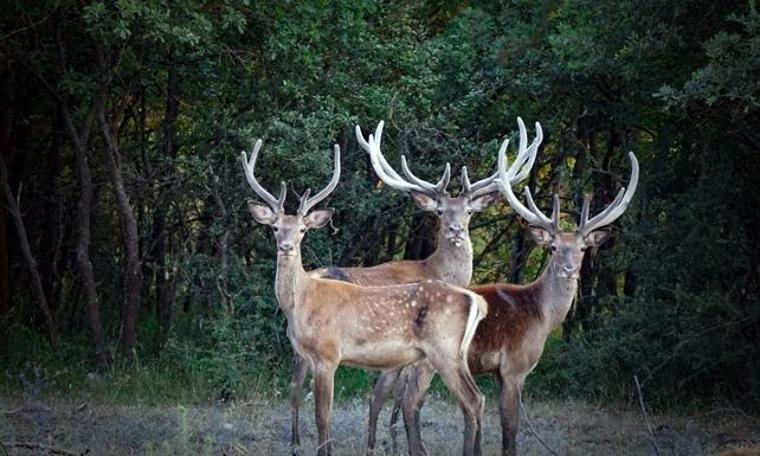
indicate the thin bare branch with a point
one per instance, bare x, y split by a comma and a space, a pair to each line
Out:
646, 417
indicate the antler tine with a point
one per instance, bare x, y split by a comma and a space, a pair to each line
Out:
304, 199
522, 165
505, 186
489, 183
439, 187
378, 136
311, 202
283, 195
249, 167
414, 179
545, 221
483, 186
585, 208
383, 170
610, 207
555, 211
526, 155
465, 181
618, 206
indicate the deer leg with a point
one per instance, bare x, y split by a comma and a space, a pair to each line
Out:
399, 391
509, 411
417, 384
376, 400
457, 378
300, 368
324, 377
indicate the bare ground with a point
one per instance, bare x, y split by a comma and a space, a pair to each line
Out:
262, 427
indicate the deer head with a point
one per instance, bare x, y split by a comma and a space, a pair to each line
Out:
454, 212
567, 247
289, 230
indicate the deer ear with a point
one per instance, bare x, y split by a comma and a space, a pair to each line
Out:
262, 214
424, 202
539, 235
596, 238
483, 202
319, 218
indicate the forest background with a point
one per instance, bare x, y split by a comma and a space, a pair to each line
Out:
131, 270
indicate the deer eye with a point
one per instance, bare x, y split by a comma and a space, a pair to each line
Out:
440, 211
553, 248
469, 210
275, 228
303, 229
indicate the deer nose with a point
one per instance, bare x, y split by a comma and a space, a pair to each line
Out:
456, 228
569, 268
286, 246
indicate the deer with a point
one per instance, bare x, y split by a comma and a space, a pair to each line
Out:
333, 322
453, 257
451, 262
510, 340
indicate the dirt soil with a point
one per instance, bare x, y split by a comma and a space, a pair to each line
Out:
263, 427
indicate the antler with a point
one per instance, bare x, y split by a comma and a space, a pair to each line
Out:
391, 178
616, 208
519, 170
532, 215
306, 202
277, 204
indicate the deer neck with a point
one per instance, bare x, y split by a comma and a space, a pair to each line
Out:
451, 263
556, 295
289, 282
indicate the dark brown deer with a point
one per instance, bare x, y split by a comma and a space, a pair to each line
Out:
452, 259
510, 340
332, 322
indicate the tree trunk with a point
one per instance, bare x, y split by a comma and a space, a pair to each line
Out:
50, 229
80, 140
37, 290
221, 245
131, 298
421, 242
158, 255
4, 288
5, 145
84, 211
517, 257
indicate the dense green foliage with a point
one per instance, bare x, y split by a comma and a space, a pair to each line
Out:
673, 298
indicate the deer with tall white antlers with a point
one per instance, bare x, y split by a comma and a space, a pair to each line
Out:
510, 340
332, 322
452, 259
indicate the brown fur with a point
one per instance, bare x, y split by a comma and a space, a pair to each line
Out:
381, 315
393, 272
512, 310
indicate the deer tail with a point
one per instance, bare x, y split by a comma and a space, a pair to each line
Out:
478, 311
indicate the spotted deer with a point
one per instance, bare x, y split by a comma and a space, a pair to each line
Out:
332, 322
510, 340
452, 259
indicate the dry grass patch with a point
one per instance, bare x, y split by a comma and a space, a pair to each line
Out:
261, 426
